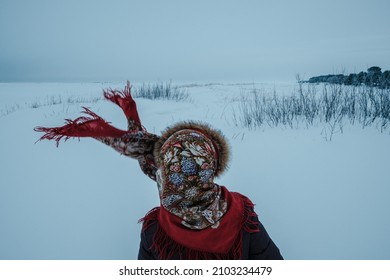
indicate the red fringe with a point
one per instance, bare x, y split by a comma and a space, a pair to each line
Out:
149, 219
166, 248
90, 126
249, 225
93, 125
126, 102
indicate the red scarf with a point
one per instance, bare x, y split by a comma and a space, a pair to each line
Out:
93, 125
225, 242
134, 142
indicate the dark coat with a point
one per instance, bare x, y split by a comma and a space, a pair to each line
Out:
255, 246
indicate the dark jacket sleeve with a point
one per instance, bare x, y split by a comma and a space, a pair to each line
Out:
145, 253
262, 247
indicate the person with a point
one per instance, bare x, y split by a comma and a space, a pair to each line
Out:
197, 218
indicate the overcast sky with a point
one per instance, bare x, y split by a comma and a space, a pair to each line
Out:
199, 40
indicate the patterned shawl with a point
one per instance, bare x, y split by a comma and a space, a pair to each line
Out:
185, 179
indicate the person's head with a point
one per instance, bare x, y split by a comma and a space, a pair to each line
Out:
189, 156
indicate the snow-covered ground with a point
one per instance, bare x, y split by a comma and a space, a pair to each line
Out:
318, 199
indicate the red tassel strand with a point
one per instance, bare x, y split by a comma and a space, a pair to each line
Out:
93, 125
85, 126
126, 102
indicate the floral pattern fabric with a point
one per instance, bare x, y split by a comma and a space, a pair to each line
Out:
137, 145
185, 180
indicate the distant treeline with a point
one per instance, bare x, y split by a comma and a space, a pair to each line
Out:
374, 77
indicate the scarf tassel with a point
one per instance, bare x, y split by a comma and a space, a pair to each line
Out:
166, 248
126, 102
249, 225
85, 126
93, 125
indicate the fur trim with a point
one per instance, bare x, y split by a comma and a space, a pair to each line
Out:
216, 137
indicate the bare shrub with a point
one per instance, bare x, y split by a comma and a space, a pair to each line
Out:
161, 91
332, 106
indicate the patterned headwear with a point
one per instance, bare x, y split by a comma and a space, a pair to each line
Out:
188, 161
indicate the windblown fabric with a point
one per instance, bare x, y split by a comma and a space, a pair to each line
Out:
134, 142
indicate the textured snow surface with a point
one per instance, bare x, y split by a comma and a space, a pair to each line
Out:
318, 199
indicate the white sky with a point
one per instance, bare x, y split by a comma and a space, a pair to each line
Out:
117, 40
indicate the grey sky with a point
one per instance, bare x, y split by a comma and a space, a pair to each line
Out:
145, 40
